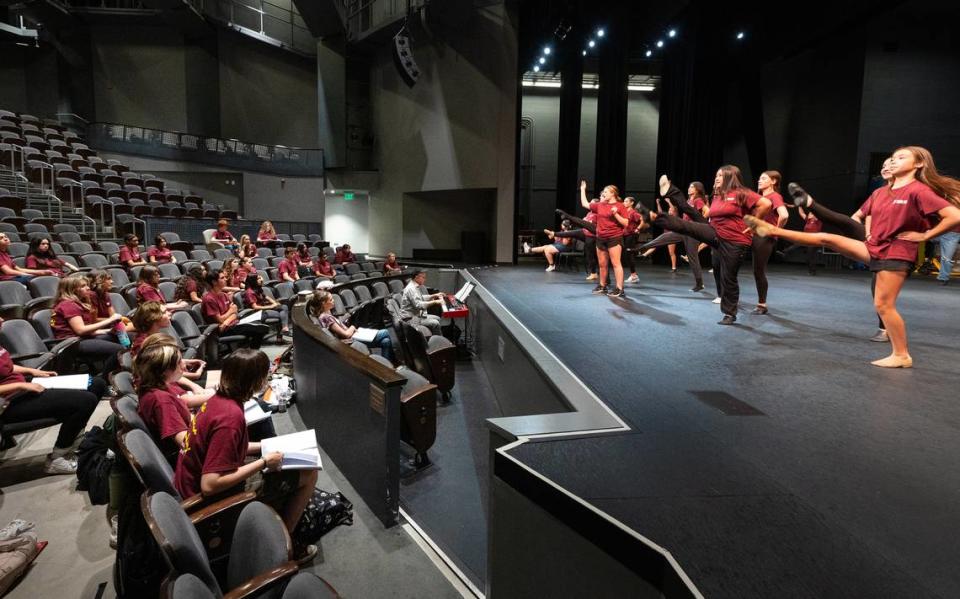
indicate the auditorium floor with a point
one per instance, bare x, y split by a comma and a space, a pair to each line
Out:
362, 560
770, 457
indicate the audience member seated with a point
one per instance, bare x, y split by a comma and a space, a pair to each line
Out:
74, 316
266, 234
9, 270
255, 299
219, 310
246, 249
288, 268
72, 408
186, 389
160, 253
304, 261
319, 309
130, 252
234, 274
101, 283
148, 290
192, 285
247, 267
41, 256
213, 460
156, 369
391, 267
224, 236
344, 255
323, 270
414, 304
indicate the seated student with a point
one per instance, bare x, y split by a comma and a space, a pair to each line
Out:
130, 252
213, 459
74, 316
344, 255
155, 370
219, 310
304, 260
246, 249
185, 388
319, 309
70, 407
560, 245
41, 256
234, 275
288, 268
414, 304
160, 253
323, 270
148, 289
224, 236
191, 286
247, 267
266, 235
255, 299
9, 270
101, 283
391, 267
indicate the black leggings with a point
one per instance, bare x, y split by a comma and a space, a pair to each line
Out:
589, 245
628, 256
70, 407
727, 257
848, 228
254, 332
762, 250
584, 224
101, 347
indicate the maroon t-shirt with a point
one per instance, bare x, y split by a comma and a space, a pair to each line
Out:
266, 236
6, 260
7, 375
128, 254
777, 200
216, 443
62, 313
288, 267
697, 204
189, 286
249, 251
894, 211
591, 217
237, 277
101, 303
388, 268
631, 215
165, 415
323, 268
607, 225
726, 214
161, 256
344, 257
214, 305
149, 293
38, 263
812, 224
251, 297
225, 235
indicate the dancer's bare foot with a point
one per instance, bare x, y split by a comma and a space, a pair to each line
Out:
894, 361
760, 227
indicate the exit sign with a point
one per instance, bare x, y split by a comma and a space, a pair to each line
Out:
348, 195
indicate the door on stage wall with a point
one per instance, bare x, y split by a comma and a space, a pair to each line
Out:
346, 218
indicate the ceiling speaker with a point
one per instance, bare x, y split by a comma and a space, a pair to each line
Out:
403, 59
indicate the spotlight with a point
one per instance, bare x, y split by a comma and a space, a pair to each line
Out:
536, 69
546, 50
600, 32
543, 60
649, 53
740, 35
672, 33
584, 52
591, 43
659, 43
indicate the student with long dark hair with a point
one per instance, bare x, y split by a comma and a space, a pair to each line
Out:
218, 309
192, 285
696, 202
130, 252
898, 220
551, 250
726, 232
769, 187
9, 271
40, 256
255, 299
161, 253
148, 289
610, 224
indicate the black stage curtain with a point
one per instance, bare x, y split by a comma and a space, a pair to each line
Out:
611, 155
568, 142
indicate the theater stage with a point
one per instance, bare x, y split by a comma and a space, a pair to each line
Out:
770, 458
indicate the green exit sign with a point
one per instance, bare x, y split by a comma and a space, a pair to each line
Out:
348, 195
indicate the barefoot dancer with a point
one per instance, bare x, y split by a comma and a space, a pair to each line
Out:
896, 222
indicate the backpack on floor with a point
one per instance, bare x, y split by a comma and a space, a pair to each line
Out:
94, 462
139, 568
323, 513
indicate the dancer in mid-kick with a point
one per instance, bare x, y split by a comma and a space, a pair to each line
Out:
696, 201
726, 232
769, 187
897, 221
550, 251
668, 239
610, 224
587, 233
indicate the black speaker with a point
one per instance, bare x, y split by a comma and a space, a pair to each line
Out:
403, 58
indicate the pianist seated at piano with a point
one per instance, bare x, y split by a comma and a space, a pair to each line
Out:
320, 310
414, 304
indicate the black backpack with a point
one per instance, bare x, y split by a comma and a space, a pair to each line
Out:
94, 462
139, 568
324, 512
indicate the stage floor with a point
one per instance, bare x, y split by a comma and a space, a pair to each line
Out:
770, 458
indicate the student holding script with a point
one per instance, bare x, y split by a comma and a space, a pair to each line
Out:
213, 458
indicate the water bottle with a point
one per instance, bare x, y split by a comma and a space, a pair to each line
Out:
122, 335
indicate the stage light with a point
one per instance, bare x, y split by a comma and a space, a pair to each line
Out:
649, 53
740, 35
584, 52
591, 43
659, 43
600, 32
672, 33
640, 88
546, 50
536, 69
543, 60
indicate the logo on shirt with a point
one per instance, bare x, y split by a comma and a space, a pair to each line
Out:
730, 199
897, 201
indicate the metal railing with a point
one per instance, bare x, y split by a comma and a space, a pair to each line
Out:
366, 16
231, 153
264, 20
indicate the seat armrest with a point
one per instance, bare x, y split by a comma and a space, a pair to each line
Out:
199, 508
262, 582
37, 303
64, 344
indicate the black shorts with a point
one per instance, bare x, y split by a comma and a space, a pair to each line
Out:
610, 242
877, 265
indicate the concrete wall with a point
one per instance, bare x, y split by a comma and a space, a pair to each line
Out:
435, 219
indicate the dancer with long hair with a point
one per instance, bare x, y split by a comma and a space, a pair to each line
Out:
695, 203
769, 187
897, 221
726, 231
610, 224
550, 251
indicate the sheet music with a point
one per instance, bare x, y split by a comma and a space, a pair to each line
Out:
464, 292
299, 450
69, 381
255, 317
365, 335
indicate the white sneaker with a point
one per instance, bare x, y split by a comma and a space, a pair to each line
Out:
113, 531
592, 277
633, 278
551, 268
60, 465
526, 247
710, 271
716, 300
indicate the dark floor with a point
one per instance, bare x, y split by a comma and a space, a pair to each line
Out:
770, 457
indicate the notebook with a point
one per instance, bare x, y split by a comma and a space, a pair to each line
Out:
251, 318
69, 381
253, 413
365, 335
299, 450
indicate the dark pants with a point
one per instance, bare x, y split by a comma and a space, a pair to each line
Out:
628, 256
691, 246
102, 347
589, 245
727, 257
812, 253
584, 224
252, 331
70, 407
762, 250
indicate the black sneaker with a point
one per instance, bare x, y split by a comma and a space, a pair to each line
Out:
727, 319
617, 292
600, 290
799, 195
697, 287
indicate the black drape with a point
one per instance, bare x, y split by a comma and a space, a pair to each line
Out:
611, 154
568, 140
